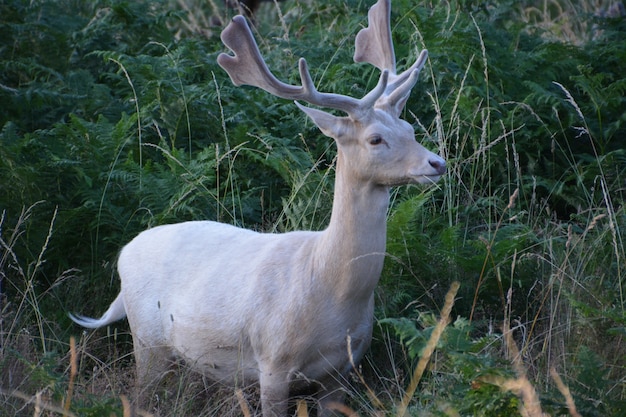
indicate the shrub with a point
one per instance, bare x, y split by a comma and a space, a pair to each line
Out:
116, 118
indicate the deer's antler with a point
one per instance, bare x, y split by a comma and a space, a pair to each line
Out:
373, 45
248, 67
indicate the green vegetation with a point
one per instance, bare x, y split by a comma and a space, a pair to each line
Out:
114, 117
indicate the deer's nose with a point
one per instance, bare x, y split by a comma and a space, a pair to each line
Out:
439, 165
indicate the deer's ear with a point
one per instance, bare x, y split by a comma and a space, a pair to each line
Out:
331, 126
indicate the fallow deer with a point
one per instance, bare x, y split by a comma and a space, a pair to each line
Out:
286, 310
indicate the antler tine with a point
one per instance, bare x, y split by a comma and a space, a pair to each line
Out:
247, 66
374, 46
402, 79
373, 43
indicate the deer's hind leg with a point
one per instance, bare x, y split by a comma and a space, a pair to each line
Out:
152, 363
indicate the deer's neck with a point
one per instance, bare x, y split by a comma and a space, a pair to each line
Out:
351, 250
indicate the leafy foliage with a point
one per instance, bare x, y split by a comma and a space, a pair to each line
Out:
462, 363
115, 117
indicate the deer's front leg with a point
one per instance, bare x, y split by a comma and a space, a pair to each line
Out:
274, 393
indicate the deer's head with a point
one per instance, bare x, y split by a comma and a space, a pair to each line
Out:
375, 145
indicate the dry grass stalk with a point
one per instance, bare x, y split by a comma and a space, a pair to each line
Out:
128, 411
342, 408
243, 404
301, 410
429, 349
73, 372
126, 406
370, 393
39, 404
564, 390
521, 386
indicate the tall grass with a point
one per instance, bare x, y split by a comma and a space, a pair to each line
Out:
529, 218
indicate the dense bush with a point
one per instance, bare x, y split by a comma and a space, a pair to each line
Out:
115, 117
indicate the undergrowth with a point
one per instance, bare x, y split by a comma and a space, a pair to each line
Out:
115, 117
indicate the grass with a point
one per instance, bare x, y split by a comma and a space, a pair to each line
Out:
186, 382
529, 218
184, 392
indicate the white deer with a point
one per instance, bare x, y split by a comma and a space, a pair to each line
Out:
284, 310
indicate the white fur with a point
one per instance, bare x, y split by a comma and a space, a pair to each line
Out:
276, 308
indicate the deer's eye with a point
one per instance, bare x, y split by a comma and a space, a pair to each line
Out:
376, 140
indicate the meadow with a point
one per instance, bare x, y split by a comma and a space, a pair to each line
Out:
115, 117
